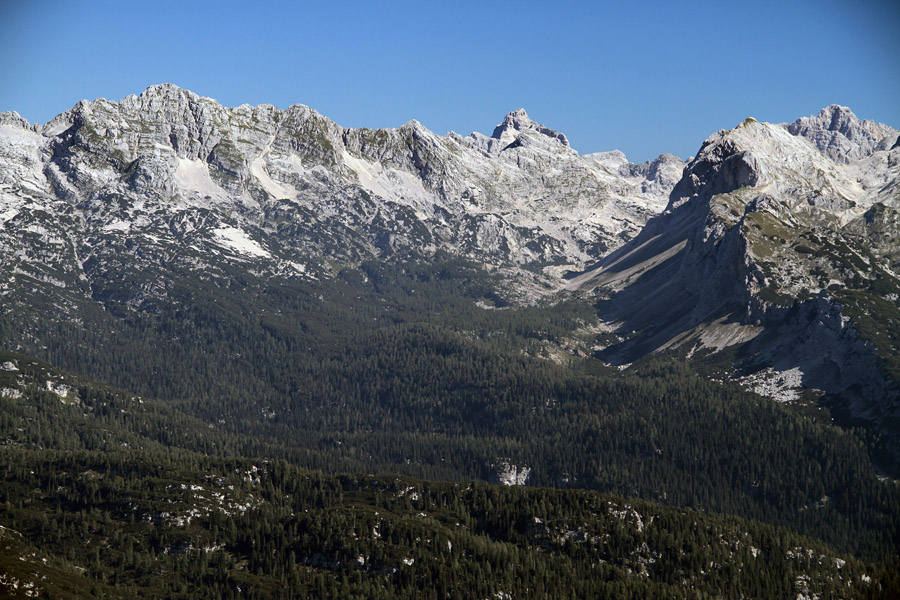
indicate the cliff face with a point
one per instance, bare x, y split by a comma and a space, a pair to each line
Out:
775, 251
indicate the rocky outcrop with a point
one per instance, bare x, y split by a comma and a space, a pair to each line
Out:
508, 134
12, 119
518, 122
662, 173
843, 137
505, 473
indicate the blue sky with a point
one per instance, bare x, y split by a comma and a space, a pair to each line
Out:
644, 78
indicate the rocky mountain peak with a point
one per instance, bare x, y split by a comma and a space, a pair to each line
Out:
13, 119
728, 160
788, 157
518, 122
166, 91
840, 118
765, 231
841, 135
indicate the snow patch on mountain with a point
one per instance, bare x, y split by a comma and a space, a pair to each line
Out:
120, 225
272, 187
8, 213
192, 178
781, 386
391, 184
238, 240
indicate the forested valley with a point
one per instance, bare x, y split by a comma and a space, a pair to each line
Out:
345, 438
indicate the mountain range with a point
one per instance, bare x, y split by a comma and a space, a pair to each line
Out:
775, 242
720, 334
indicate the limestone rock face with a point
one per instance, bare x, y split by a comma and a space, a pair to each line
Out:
838, 133
293, 187
506, 473
775, 250
517, 122
661, 173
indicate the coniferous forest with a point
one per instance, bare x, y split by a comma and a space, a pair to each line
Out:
347, 437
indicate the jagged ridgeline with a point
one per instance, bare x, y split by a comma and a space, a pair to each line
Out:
268, 284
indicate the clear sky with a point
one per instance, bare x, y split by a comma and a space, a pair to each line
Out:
641, 77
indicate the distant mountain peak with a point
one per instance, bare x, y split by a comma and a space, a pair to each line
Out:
841, 135
165, 89
517, 119
517, 122
837, 112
